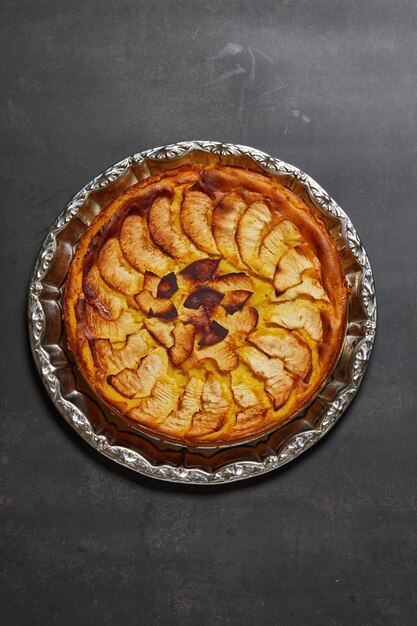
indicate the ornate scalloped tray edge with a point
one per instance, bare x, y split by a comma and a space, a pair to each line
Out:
126, 446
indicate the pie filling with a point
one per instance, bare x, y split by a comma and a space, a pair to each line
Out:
206, 304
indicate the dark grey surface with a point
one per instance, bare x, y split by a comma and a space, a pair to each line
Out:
329, 86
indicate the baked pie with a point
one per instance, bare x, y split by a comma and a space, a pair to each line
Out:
207, 304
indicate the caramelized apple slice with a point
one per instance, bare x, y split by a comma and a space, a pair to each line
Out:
214, 408
138, 248
283, 344
163, 231
275, 244
116, 331
190, 403
203, 296
168, 286
201, 270
162, 402
99, 295
290, 269
235, 300
309, 287
298, 314
213, 333
226, 216
196, 218
200, 318
277, 382
154, 307
183, 347
161, 331
234, 281
241, 323
113, 361
140, 382
248, 394
116, 271
247, 421
249, 232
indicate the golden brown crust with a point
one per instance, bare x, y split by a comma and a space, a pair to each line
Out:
206, 304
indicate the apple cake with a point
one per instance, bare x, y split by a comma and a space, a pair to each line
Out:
207, 304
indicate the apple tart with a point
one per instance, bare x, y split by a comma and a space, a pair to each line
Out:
207, 305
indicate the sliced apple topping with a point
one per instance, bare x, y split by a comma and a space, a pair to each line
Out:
161, 331
98, 294
226, 216
301, 314
151, 282
247, 421
250, 231
203, 296
138, 248
278, 383
167, 286
309, 287
214, 408
241, 323
201, 270
140, 382
155, 307
275, 244
183, 346
116, 331
117, 273
163, 231
190, 403
196, 219
162, 402
235, 300
290, 269
223, 354
234, 281
113, 361
284, 345
213, 333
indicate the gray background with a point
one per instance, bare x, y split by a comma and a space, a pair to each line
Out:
329, 86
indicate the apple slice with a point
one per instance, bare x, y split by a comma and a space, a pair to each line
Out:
179, 421
196, 218
116, 331
203, 296
201, 270
309, 287
155, 307
167, 286
222, 353
140, 382
138, 248
233, 281
278, 383
226, 216
163, 231
214, 408
290, 269
286, 346
299, 314
151, 282
183, 346
213, 333
250, 231
114, 269
247, 421
97, 293
241, 323
161, 331
235, 300
113, 361
275, 244
162, 402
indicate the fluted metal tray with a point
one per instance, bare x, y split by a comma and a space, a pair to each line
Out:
126, 444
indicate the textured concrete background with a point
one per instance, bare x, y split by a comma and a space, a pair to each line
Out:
330, 86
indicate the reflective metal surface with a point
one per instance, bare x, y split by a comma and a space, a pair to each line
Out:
124, 443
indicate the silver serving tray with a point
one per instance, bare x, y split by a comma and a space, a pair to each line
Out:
125, 443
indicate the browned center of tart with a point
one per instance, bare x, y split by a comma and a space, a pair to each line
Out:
206, 304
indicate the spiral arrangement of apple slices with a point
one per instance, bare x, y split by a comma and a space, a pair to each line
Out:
206, 304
